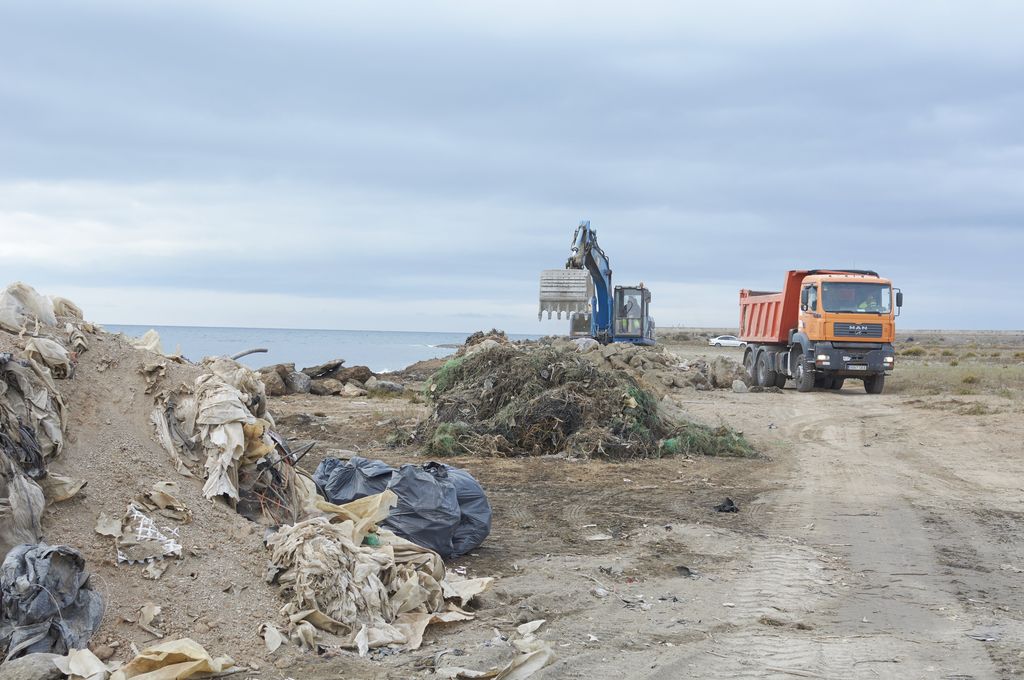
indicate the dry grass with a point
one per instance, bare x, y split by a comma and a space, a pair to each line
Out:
965, 376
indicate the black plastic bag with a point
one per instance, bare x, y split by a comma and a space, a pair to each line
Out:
344, 481
428, 508
46, 601
475, 520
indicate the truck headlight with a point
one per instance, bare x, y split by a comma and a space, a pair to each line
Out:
888, 360
822, 357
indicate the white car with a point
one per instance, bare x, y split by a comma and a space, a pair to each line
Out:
726, 341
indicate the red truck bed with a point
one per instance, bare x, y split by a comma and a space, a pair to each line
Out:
769, 317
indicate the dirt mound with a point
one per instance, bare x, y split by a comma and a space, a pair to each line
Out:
549, 398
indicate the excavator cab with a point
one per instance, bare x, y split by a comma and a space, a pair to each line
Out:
632, 318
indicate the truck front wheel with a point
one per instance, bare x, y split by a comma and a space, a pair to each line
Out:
802, 375
874, 384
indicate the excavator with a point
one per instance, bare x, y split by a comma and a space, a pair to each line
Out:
583, 292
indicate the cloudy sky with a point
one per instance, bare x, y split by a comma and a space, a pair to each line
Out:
414, 165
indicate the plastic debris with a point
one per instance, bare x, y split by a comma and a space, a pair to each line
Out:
48, 604
173, 660
141, 541
365, 596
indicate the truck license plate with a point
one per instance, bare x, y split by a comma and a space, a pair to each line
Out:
857, 367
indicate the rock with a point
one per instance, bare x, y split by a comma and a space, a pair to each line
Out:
281, 369
297, 383
324, 370
358, 373
611, 349
326, 387
274, 384
739, 386
722, 371
31, 667
103, 652
371, 384
584, 345
482, 346
755, 388
351, 390
384, 386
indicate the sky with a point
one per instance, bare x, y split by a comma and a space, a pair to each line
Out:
415, 165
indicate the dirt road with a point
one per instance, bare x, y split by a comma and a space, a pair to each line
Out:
894, 536
881, 537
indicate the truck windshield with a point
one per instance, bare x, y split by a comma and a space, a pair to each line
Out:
866, 298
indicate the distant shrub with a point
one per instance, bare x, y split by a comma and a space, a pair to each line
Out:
970, 379
947, 353
954, 362
913, 352
970, 355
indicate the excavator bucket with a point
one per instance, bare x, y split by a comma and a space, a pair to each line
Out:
565, 291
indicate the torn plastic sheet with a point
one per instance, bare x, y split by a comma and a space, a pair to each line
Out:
51, 354
29, 399
21, 507
22, 308
141, 541
48, 604
365, 595
173, 660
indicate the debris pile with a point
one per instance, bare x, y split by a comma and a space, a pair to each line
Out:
355, 585
537, 400
569, 397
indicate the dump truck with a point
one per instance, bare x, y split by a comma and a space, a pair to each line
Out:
826, 325
583, 291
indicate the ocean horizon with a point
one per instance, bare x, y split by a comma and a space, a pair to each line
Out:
381, 351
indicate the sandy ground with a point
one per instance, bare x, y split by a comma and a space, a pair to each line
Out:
880, 536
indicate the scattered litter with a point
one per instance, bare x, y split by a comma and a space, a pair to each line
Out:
727, 506
272, 637
141, 541
22, 308
82, 664
685, 571
48, 603
599, 592
173, 660
154, 570
148, 615
108, 526
600, 537
160, 499
728, 604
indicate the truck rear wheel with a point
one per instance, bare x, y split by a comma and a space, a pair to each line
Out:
874, 384
748, 365
780, 380
765, 374
802, 375
837, 383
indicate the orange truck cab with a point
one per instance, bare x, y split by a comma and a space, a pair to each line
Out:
825, 325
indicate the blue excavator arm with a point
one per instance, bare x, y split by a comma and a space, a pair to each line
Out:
587, 254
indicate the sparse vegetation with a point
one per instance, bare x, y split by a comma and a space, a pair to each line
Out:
913, 352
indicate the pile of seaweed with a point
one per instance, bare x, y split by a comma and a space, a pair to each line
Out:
542, 399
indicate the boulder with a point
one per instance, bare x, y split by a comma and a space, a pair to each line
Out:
739, 387
584, 345
351, 390
274, 384
482, 346
326, 386
324, 370
31, 667
297, 382
359, 373
722, 371
384, 386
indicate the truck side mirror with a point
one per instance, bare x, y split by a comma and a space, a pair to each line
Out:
899, 298
804, 294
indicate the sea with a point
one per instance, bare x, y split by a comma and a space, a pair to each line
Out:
382, 351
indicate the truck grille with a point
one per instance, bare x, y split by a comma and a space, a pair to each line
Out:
858, 330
